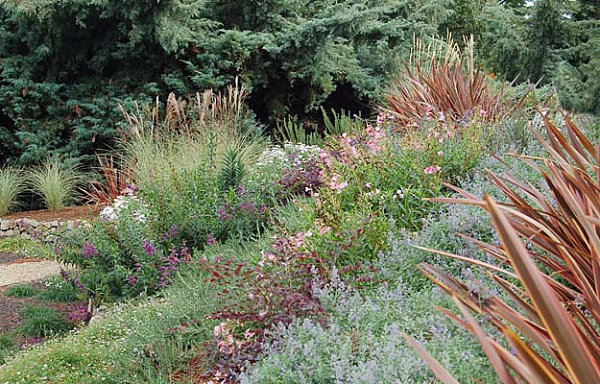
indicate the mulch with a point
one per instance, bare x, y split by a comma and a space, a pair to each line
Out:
81, 212
11, 306
9, 257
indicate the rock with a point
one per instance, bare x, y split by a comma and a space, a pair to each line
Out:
53, 224
9, 233
25, 235
70, 225
5, 225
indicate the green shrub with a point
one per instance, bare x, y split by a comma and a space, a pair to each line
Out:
54, 183
21, 290
11, 185
41, 322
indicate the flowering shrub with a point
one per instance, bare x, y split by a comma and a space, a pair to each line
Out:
242, 213
122, 257
293, 169
122, 202
276, 291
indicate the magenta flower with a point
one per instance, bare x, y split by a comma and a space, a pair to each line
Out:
89, 250
149, 248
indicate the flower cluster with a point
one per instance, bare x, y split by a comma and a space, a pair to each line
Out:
302, 178
170, 265
81, 314
290, 155
125, 202
89, 250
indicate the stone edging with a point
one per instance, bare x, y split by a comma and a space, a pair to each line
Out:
32, 229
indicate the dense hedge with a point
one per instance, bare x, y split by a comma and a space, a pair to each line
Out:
66, 65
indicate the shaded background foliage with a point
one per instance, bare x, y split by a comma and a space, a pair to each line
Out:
66, 66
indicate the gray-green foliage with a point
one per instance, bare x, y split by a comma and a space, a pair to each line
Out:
54, 183
362, 342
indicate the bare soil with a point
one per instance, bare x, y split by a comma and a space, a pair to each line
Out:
11, 306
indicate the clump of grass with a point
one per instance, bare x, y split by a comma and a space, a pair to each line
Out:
16, 244
7, 347
42, 322
11, 185
55, 184
21, 290
60, 291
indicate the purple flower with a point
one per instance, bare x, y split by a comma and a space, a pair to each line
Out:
247, 207
79, 315
89, 250
239, 191
78, 284
223, 214
172, 233
149, 248
65, 275
131, 280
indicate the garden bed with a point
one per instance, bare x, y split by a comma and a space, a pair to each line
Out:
81, 212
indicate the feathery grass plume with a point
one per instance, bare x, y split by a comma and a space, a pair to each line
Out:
193, 134
11, 185
548, 268
53, 183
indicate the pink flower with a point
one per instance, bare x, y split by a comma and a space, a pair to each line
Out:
335, 185
325, 158
432, 169
211, 239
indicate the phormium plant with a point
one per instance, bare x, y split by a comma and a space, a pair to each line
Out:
548, 263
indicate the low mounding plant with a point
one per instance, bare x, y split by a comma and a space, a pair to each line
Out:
42, 322
55, 184
11, 185
548, 311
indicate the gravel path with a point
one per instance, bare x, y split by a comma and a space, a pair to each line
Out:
27, 271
